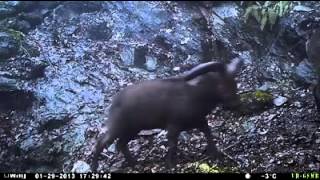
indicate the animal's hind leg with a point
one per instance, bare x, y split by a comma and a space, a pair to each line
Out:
103, 141
316, 94
122, 145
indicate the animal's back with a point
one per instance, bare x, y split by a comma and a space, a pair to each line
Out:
150, 104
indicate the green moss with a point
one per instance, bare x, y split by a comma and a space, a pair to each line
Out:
206, 168
263, 96
255, 101
259, 96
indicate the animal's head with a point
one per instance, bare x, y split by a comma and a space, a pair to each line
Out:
219, 79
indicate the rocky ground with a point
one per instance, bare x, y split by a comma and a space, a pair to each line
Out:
61, 64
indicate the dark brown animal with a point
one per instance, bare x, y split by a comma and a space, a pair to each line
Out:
176, 104
313, 49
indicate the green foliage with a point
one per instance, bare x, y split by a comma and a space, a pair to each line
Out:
268, 13
19, 37
205, 168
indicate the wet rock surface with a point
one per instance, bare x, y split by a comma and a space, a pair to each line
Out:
94, 49
8, 46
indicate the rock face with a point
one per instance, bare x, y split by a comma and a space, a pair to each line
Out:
8, 9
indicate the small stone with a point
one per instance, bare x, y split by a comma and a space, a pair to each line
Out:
278, 162
279, 101
184, 136
280, 138
176, 68
112, 148
149, 132
262, 131
81, 167
312, 166
290, 161
163, 147
162, 133
318, 141
264, 87
271, 116
151, 63
297, 104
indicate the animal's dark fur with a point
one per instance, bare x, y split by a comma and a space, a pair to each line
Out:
175, 104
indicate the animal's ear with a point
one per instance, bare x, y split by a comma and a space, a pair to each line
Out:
234, 67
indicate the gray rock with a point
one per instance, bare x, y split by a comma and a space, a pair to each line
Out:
176, 68
127, 55
7, 84
184, 136
33, 18
305, 73
264, 87
8, 8
22, 25
112, 148
151, 63
81, 167
280, 100
9, 47
149, 132
100, 32
302, 8
297, 104
29, 144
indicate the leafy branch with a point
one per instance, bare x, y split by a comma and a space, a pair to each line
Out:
19, 37
268, 13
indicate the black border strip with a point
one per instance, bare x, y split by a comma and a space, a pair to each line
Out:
106, 176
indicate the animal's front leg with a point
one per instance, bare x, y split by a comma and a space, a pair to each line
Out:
211, 148
173, 133
104, 140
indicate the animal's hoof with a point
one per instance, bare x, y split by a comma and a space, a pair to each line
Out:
214, 153
132, 162
94, 167
171, 163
